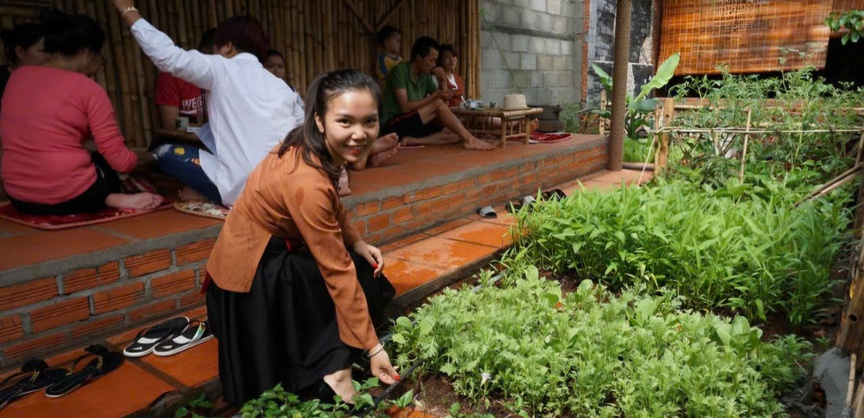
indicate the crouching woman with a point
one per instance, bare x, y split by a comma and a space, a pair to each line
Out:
296, 293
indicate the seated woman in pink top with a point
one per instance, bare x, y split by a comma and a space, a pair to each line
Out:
47, 115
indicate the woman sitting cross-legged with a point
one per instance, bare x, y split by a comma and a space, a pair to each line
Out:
250, 110
293, 292
49, 112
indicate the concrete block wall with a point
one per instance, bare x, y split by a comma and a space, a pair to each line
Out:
545, 48
600, 38
536, 40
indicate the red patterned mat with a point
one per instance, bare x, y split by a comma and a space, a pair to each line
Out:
549, 138
132, 184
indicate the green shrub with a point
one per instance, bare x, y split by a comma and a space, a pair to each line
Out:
795, 101
743, 247
596, 354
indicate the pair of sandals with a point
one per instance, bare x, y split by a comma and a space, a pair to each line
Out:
170, 337
35, 375
527, 202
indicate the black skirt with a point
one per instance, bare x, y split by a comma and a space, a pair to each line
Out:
284, 329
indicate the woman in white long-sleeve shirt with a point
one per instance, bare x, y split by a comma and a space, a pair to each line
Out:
250, 110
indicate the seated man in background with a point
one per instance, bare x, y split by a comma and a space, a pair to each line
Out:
175, 97
412, 103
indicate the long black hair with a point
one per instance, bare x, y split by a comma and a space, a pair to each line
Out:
68, 34
24, 35
307, 137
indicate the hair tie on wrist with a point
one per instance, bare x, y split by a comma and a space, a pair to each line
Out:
376, 353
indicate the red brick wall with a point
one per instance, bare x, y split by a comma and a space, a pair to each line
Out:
82, 306
393, 217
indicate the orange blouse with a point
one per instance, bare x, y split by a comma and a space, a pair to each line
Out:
287, 198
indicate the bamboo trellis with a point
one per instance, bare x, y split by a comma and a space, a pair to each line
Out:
314, 35
851, 336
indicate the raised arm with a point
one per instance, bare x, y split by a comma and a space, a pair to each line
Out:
192, 66
398, 81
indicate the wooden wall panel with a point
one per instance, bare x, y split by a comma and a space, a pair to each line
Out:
745, 35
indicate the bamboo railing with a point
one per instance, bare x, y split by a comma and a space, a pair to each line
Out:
314, 35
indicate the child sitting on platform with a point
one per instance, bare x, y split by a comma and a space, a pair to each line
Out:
390, 41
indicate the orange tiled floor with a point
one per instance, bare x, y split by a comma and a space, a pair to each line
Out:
410, 263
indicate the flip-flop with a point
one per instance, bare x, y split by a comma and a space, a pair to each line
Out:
105, 362
149, 338
487, 212
205, 209
34, 376
196, 333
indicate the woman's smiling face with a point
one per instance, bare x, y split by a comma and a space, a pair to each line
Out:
350, 126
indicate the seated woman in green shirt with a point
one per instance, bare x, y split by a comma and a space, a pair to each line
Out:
412, 102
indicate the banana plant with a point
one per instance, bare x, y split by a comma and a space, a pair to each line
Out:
640, 107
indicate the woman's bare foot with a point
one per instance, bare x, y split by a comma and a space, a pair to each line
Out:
380, 157
384, 143
473, 143
533, 126
342, 188
137, 201
341, 383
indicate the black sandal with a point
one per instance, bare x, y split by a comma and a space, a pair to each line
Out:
34, 376
147, 340
554, 194
105, 361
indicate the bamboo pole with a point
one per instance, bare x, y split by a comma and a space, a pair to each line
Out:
327, 36
838, 181
121, 103
858, 403
757, 131
860, 146
852, 328
392, 12
360, 17
850, 391
746, 140
661, 157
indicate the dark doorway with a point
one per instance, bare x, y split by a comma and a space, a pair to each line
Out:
845, 63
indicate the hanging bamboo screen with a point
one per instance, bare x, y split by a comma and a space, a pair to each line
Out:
747, 35
314, 36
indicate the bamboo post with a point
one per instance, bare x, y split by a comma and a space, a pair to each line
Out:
850, 391
851, 329
858, 403
860, 146
121, 104
744, 152
661, 156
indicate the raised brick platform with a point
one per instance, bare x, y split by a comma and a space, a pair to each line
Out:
68, 288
